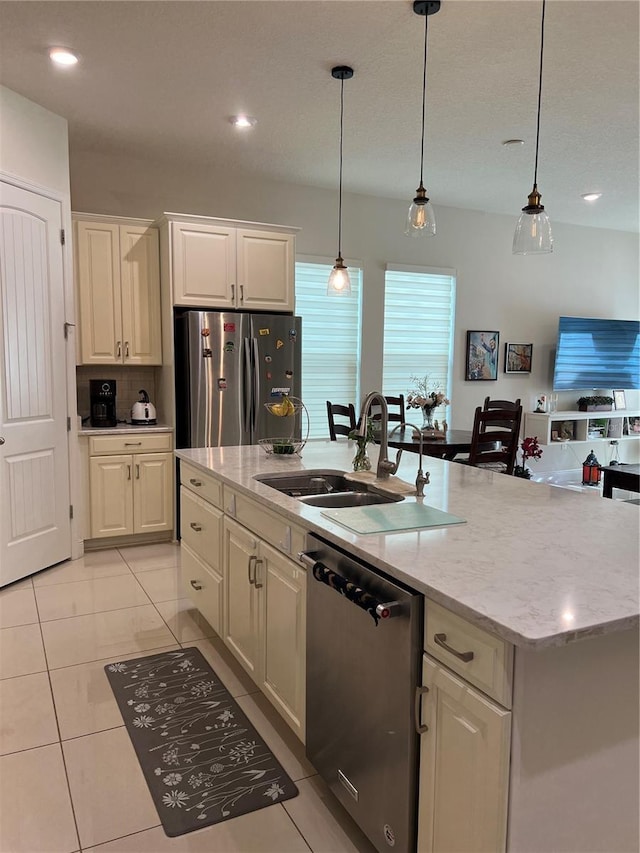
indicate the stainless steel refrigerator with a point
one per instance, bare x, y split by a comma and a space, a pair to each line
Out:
228, 366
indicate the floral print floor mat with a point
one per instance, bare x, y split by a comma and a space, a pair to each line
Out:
202, 759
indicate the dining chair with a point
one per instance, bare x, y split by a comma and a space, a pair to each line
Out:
490, 404
493, 427
338, 410
395, 406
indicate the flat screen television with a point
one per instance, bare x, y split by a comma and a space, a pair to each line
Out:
597, 354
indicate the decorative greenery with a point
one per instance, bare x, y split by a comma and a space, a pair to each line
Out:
361, 461
530, 450
425, 395
595, 401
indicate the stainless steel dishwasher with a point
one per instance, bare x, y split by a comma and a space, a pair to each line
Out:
364, 633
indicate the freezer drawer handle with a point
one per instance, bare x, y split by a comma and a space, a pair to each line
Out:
195, 527
441, 640
421, 728
196, 584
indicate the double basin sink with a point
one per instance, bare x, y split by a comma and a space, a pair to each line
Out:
326, 488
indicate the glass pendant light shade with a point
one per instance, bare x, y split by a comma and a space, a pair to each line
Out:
533, 231
339, 283
421, 219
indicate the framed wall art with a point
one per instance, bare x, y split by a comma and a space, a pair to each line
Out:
619, 400
517, 358
482, 355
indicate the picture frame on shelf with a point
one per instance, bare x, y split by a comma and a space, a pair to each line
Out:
619, 400
481, 362
518, 358
614, 428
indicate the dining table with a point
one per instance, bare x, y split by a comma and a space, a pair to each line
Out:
448, 446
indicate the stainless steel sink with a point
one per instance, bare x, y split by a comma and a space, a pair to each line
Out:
318, 482
342, 499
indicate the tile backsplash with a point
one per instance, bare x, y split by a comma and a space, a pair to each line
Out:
129, 381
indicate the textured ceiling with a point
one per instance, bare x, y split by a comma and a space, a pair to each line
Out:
160, 79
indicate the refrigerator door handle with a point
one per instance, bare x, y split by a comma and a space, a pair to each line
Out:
255, 393
247, 391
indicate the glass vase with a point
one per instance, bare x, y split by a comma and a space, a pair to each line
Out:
361, 461
427, 418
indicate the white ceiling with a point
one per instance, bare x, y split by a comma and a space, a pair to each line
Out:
160, 79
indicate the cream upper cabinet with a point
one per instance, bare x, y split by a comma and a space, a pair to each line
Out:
219, 264
117, 271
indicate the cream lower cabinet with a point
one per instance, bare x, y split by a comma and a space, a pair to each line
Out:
130, 493
265, 619
117, 271
464, 767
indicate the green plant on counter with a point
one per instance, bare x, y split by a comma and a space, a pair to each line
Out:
361, 461
595, 401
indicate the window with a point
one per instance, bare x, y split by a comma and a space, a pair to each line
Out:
330, 341
419, 312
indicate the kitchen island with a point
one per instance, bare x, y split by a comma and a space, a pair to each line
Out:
549, 572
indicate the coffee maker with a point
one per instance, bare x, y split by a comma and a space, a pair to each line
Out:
102, 393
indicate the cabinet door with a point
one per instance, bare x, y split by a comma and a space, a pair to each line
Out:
203, 265
464, 767
111, 495
242, 617
140, 282
265, 270
152, 492
98, 284
284, 645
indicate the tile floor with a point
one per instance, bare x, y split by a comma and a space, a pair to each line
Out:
69, 778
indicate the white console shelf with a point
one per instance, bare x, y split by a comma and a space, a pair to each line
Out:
574, 426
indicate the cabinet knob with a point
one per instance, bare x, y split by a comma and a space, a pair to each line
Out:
196, 584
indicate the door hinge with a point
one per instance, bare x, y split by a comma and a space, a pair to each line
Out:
62, 237
68, 424
70, 510
68, 326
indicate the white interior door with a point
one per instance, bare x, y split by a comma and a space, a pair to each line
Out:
35, 529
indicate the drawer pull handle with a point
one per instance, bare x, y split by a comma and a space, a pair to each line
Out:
256, 583
196, 584
441, 640
195, 483
132, 443
251, 564
195, 527
421, 728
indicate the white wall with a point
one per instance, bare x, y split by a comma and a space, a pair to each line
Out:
592, 272
34, 143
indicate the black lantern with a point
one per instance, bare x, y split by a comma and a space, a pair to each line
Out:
590, 470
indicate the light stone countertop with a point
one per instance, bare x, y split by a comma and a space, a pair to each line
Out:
535, 564
124, 429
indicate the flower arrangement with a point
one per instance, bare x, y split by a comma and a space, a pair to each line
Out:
427, 396
530, 450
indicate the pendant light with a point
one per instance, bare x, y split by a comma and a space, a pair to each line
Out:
421, 221
533, 231
339, 283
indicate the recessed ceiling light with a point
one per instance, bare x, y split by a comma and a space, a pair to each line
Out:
243, 121
591, 196
515, 142
62, 56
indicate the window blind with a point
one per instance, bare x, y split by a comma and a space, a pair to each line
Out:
419, 315
330, 342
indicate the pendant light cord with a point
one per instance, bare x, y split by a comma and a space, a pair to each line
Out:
535, 171
340, 183
424, 94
